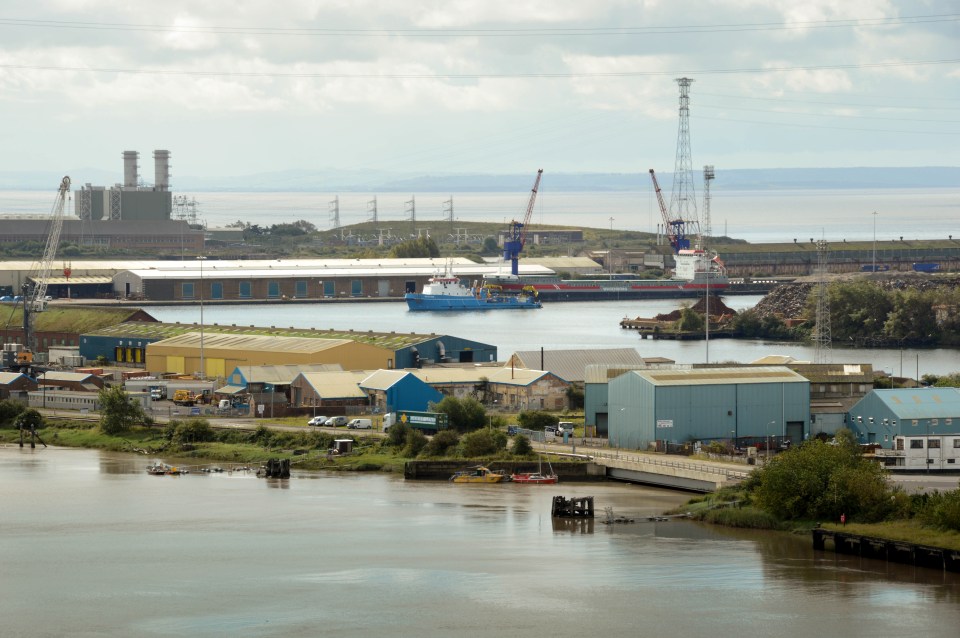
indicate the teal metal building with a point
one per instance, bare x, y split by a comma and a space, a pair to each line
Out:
745, 405
882, 415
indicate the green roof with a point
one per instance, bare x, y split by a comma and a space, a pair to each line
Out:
75, 319
148, 330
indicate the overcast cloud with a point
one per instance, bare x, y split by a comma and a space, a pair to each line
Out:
490, 86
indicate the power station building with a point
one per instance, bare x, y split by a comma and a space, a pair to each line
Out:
131, 200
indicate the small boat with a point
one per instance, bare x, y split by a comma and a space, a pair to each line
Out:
536, 478
158, 469
446, 292
479, 474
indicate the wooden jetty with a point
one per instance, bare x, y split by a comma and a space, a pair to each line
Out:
885, 549
581, 507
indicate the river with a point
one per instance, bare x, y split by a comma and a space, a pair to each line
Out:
90, 545
570, 325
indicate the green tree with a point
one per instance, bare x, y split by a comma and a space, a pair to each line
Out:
575, 397
490, 246
821, 481
481, 443
29, 419
117, 412
419, 247
464, 414
397, 434
912, 318
857, 308
9, 410
415, 442
190, 431
690, 320
536, 420
442, 443
522, 446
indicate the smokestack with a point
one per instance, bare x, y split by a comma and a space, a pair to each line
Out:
131, 170
161, 170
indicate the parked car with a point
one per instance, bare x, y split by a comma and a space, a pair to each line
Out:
317, 420
564, 427
360, 424
336, 421
512, 429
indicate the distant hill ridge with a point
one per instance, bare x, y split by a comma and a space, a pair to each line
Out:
331, 180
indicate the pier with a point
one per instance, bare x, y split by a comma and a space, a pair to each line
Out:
885, 549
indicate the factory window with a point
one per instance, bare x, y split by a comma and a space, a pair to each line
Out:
186, 290
216, 290
916, 444
956, 443
356, 287
273, 289
934, 444
244, 292
300, 290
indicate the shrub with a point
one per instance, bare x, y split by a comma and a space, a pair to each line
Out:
192, 431
522, 446
397, 434
9, 410
442, 443
416, 441
482, 443
536, 420
941, 509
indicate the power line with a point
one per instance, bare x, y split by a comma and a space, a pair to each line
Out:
474, 76
474, 32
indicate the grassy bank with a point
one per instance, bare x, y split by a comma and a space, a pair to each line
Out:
908, 531
306, 450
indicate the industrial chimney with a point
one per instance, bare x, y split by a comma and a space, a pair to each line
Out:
161, 170
131, 170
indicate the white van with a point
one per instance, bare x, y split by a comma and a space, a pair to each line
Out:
360, 424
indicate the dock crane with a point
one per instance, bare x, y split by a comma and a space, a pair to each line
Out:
513, 245
676, 229
35, 299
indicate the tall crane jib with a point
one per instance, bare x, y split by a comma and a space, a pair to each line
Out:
676, 229
513, 245
37, 300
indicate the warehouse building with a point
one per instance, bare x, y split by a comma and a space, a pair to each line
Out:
219, 353
883, 415
399, 390
128, 342
511, 388
336, 392
63, 325
677, 406
571, 365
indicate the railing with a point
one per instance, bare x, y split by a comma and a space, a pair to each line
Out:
674, 464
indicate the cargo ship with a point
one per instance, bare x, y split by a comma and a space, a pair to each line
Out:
697, 273
447, 292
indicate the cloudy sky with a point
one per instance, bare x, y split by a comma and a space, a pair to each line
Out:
477, 86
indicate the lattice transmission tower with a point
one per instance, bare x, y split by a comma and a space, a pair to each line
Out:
821, 330
683, 199
335, 212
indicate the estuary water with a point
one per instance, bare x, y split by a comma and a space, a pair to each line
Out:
570, 325
90, 545
754, 215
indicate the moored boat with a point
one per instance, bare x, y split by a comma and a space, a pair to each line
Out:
446, 292
479, 474
536, 478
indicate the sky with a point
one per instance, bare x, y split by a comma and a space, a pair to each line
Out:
477, 86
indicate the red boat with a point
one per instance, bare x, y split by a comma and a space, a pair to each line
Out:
536, 478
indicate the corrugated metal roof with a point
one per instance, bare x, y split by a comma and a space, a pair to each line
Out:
922, 403
571, 365
151, 330
337, 385
59, 375
603, 372
282, 374
721, 376
83, 279
7, 378
507, 376
383, 379
213, 341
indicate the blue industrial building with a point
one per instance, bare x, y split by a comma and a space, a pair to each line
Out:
704, 404
399, 390
882, 415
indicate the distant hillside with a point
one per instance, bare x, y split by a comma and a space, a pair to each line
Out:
378, 181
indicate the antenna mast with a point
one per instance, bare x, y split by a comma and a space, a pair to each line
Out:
683, 202
708, 176
821, 330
